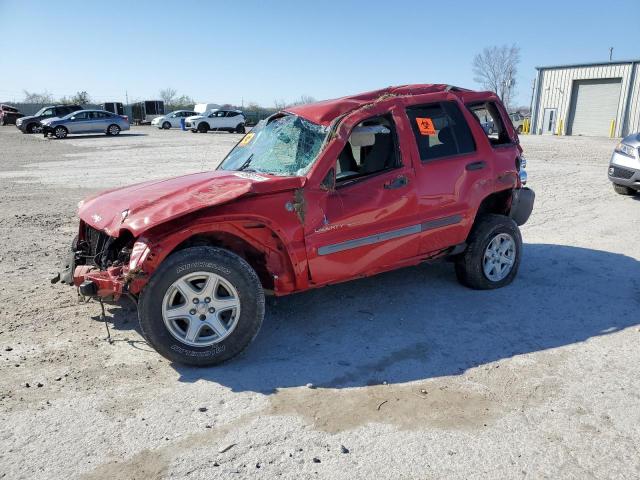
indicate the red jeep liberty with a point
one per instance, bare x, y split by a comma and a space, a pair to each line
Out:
315, 195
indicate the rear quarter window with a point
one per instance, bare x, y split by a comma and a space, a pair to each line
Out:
440, 130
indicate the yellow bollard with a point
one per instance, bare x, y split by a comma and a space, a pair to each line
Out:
560, 125
612, 128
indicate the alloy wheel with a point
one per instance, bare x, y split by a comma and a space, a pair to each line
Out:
499, 257
201, 308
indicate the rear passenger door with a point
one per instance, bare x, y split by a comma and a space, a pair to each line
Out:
450, 173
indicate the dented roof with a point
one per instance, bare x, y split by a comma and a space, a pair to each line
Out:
326, 111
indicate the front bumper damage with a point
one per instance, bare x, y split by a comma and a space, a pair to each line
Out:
102, 267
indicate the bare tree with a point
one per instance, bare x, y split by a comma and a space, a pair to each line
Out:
33, 97
168, 95
280, 104
303, 100
81, 98
496, 68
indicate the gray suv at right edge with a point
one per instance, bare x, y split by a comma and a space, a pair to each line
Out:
31, 124
624, 166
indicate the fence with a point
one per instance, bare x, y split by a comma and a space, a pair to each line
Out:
252, 116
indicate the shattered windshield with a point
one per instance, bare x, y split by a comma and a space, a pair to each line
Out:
285, 146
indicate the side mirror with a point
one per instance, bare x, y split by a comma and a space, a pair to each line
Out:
329, 181
72, 118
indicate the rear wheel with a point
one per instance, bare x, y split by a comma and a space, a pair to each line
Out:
240, 128
113, 130
622, 190
60, 132
166, 125
492, 257
203, 306
203, 127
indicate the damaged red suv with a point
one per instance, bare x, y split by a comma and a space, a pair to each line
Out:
315, 195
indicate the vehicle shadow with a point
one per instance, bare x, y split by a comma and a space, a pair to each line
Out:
419, 323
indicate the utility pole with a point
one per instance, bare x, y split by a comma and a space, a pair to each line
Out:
533, 89
126, 95
610, 53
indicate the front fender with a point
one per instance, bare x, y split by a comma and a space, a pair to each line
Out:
284, 258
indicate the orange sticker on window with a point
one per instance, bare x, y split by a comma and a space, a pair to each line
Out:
425, 125
246, 139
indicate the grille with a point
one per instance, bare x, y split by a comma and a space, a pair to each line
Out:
95, 242
622, 173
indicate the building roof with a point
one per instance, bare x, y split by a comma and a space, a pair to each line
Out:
591, 64
326, 111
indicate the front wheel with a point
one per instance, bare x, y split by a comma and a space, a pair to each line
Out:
60, 132
203, 127
166, 125
492, 257
203, 306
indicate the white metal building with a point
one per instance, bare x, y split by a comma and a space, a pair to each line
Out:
591, 99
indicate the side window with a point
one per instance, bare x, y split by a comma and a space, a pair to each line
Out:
489, 117
81, 116
440, 130
372, 148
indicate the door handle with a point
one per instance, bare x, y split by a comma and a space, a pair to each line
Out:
476, 165
397, 182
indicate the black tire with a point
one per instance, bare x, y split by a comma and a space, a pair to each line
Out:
31, 128
113, 130
469, 265
202, 259
166, 125
623, 190
4, 122
203, 127
60, 132
240, 128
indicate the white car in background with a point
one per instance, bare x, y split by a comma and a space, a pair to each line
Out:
172, 120
216, 119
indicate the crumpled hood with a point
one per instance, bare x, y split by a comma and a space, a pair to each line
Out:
142, 206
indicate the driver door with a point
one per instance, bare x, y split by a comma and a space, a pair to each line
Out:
368, 222
79, 123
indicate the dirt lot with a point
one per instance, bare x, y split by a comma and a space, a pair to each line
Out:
416, 376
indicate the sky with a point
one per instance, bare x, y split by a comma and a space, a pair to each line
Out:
258, 51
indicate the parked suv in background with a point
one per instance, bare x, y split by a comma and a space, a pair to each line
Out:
9, 115
31, 124
517, 119
172, 120
624, 166
228, 120
315, 195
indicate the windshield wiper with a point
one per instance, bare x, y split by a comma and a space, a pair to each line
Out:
246, 164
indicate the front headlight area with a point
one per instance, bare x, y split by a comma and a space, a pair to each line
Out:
139, 254
628, 150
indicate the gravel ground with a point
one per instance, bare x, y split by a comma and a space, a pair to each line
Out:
414, 375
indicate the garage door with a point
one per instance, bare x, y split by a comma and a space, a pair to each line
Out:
593, 106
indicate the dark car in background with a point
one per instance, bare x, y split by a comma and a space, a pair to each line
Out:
9, 115
31, 124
